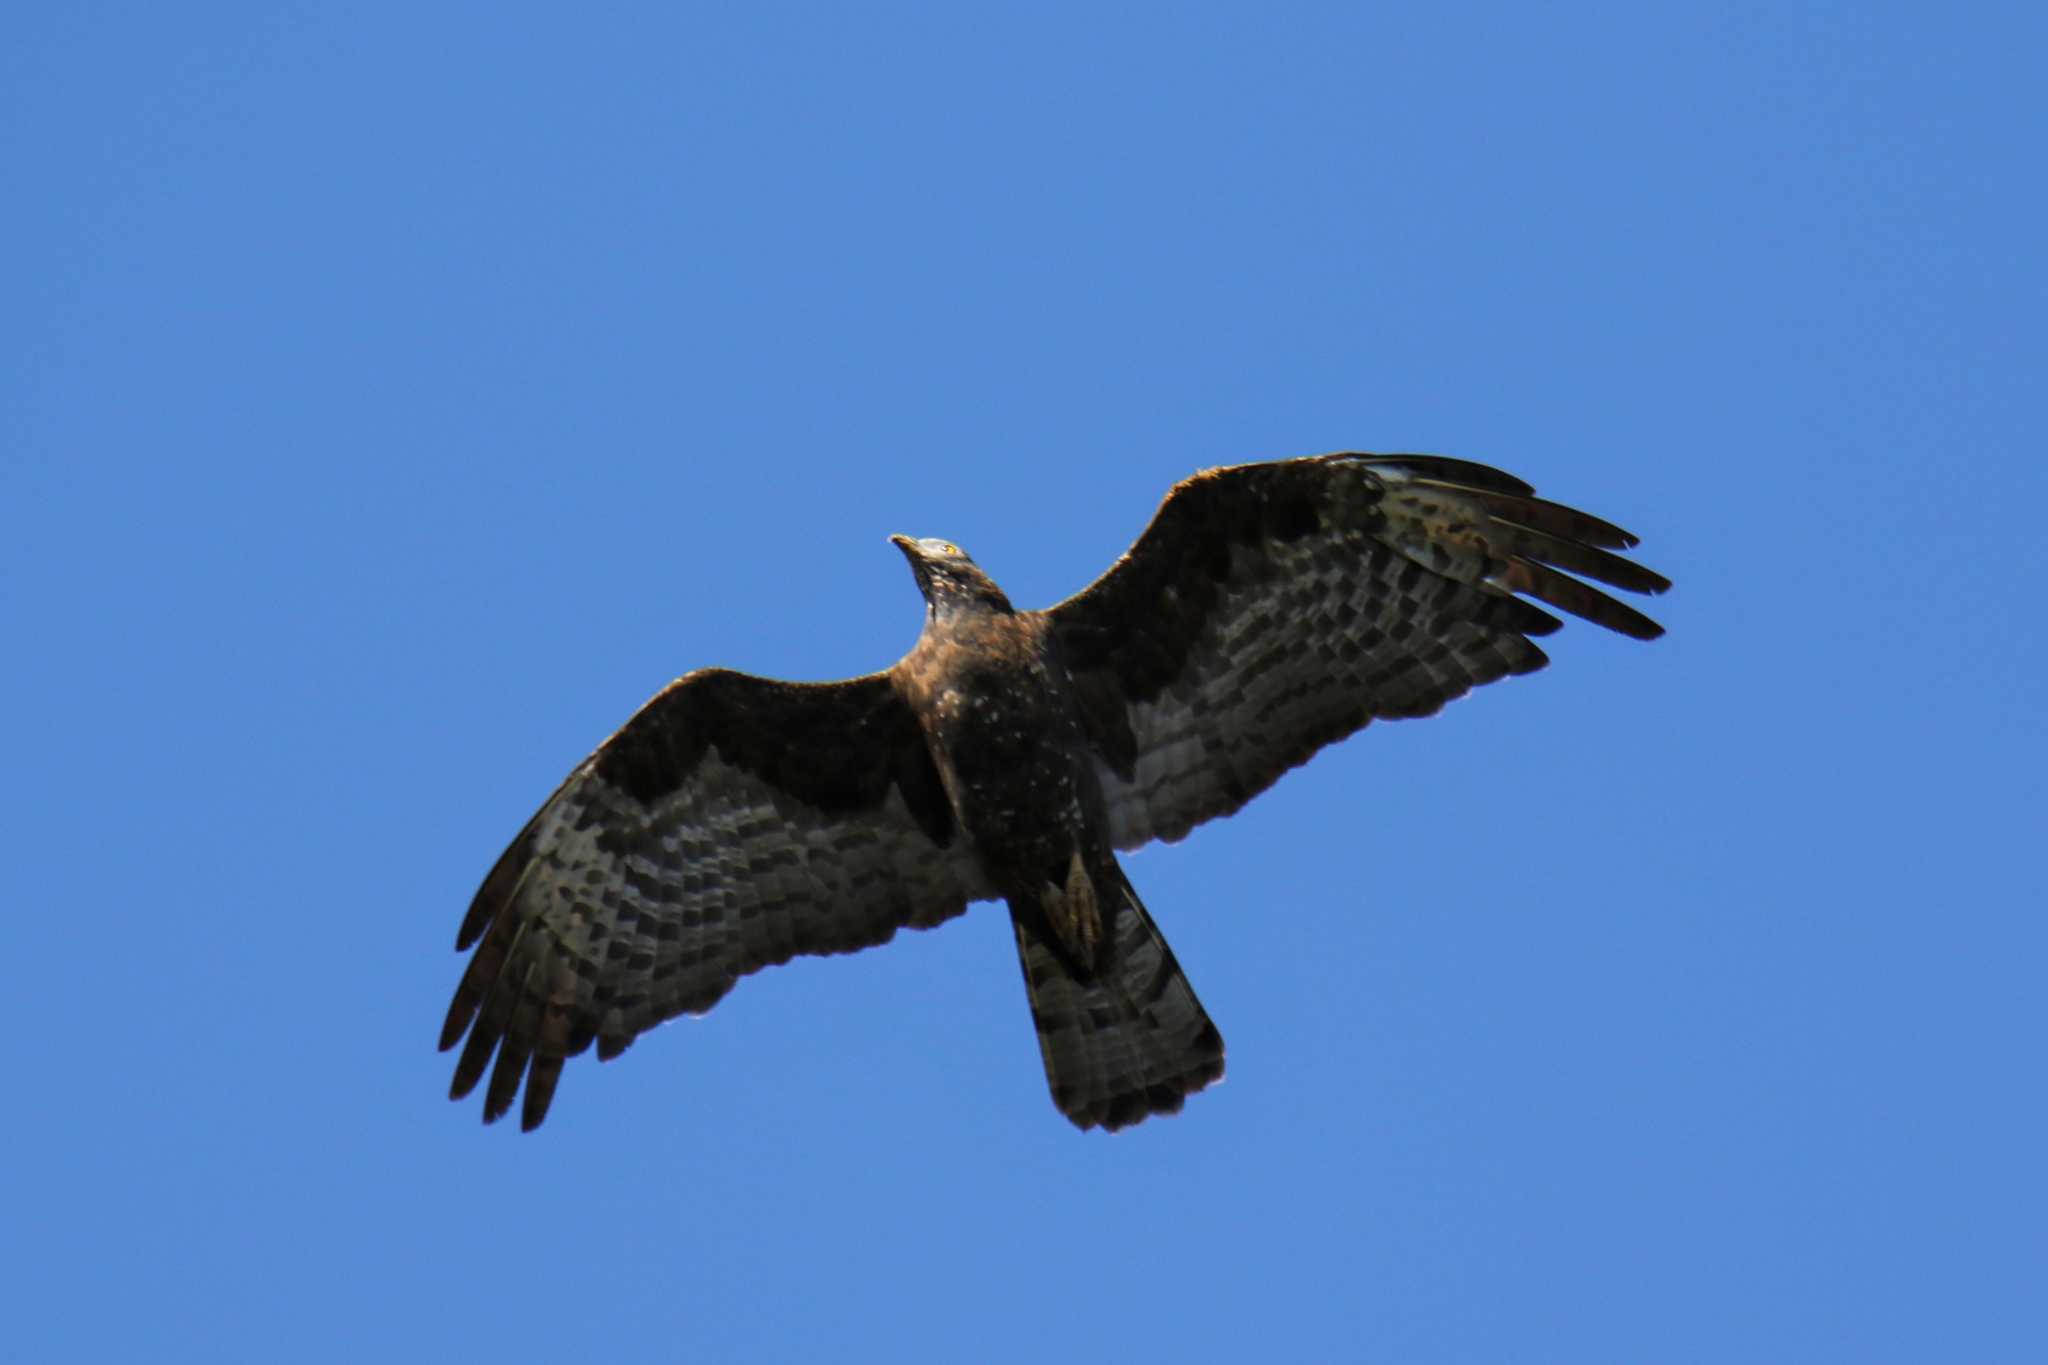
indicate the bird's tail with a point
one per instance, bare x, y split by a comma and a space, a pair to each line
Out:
1128, 1041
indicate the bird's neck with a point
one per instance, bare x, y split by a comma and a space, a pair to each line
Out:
956, 607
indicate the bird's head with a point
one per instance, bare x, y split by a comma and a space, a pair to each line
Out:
949, 579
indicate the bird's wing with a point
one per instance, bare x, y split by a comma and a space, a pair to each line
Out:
1270, 609
733, 823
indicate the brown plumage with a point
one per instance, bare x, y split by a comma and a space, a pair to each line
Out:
1268, 610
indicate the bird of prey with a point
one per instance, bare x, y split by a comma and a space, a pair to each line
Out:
736, 821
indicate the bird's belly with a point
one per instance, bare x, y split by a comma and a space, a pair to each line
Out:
1017, 775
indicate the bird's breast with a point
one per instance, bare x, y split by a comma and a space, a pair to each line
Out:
1015, 764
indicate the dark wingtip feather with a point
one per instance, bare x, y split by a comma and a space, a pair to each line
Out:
470, 991
1526, 618
505, 1078
473, 925
498, 887
1546, 584
461, 1010
1552, 518
541, 1080
1575, 557
1468, 473
476, 1057
1583, 525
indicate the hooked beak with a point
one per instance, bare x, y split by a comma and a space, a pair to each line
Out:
911, 553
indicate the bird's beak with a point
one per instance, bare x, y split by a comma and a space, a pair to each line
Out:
920, 567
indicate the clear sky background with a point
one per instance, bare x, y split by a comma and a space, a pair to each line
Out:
393, 397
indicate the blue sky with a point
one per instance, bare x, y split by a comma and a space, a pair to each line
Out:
394, 397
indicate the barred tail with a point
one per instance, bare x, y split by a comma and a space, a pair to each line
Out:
1131, 1042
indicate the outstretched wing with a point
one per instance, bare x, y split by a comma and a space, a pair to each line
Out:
733, 823
1270, 609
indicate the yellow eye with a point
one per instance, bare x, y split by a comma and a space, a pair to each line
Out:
949, 547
